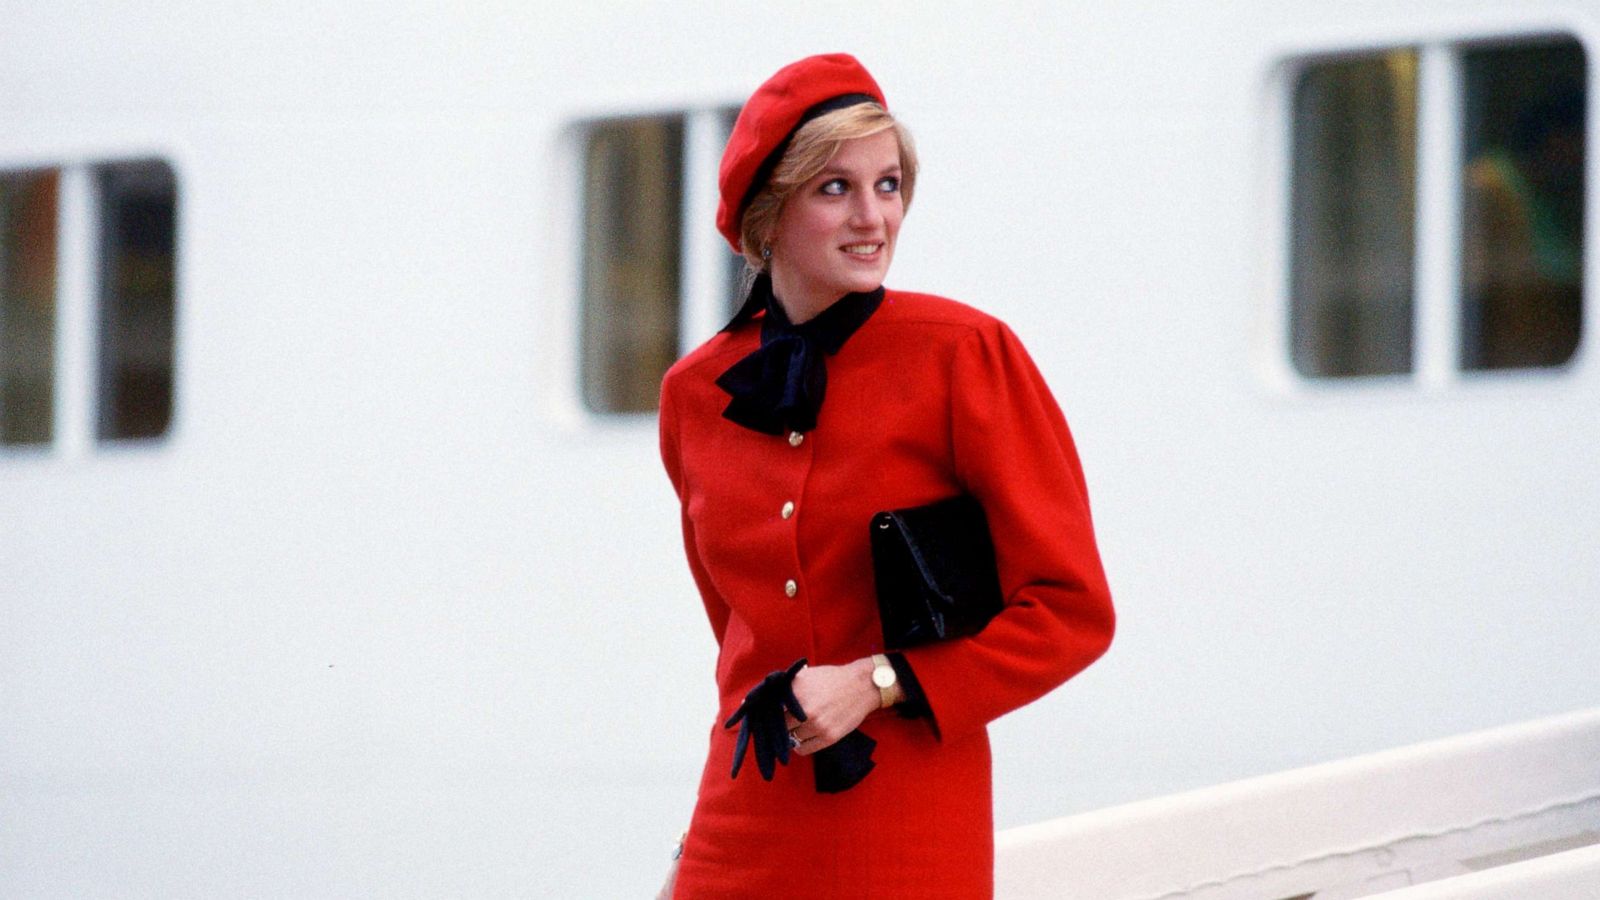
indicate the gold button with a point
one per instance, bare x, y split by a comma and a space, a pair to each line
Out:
790, 588
788, 509
795, 438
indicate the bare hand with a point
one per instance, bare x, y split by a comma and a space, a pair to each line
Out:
836, 700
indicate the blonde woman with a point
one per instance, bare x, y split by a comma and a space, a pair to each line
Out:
827, 399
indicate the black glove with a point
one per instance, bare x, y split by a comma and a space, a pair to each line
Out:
843, 765
761, 715
837, 768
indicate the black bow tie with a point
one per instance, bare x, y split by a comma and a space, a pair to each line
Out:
779, 387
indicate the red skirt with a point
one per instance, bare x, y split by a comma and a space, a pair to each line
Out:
921, 824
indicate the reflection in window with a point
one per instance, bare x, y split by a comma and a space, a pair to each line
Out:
27, 306
138, 238
633, 197
1352, 198
1523, 193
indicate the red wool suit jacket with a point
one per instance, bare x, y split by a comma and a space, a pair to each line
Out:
929, 398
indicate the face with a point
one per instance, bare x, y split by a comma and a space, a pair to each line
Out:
836, 233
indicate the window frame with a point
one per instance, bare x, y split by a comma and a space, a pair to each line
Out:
76, 355
1437, 301
703, 254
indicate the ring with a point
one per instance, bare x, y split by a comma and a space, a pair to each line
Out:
795, 741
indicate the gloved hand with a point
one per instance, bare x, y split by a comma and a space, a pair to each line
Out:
760, 719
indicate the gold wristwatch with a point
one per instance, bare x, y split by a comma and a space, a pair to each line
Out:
883, 676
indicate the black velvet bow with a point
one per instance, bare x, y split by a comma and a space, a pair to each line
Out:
760, 719
779, 387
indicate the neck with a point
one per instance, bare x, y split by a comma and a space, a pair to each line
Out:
799, 306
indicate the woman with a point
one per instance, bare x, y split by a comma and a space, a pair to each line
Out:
925, 399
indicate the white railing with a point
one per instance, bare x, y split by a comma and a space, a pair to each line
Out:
1572, 875
1352, 828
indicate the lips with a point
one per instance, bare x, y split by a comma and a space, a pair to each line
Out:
862, 249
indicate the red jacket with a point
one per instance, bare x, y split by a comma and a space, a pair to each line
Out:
928, 399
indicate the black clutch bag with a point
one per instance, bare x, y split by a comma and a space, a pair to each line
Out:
935, 572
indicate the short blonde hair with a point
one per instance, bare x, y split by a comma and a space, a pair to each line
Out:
809, 152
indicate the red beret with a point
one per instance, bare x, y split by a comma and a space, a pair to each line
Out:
771, 116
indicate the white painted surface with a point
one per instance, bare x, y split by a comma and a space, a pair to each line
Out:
77, 337
1350, 828
1438, 265
386, 615
1573, 875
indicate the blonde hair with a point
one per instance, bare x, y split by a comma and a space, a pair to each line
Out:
809, 152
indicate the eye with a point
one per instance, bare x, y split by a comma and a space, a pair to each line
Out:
834, 187
889, 184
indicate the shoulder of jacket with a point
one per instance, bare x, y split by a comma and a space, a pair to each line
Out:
910, 308
717, 353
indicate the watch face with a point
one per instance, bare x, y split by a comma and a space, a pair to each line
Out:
883, 676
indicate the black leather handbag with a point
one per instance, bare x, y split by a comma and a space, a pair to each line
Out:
935, 572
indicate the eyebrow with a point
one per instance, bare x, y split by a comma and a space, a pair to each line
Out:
888, 170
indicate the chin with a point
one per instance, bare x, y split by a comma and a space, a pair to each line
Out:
861, 283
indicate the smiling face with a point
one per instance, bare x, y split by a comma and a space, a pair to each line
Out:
836, 233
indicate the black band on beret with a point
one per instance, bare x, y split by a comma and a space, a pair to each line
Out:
764, 171
829, 105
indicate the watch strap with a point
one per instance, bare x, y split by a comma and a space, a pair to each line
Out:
886, 692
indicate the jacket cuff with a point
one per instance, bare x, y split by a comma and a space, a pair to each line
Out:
915, 705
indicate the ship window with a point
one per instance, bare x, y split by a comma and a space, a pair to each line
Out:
87, 275
633, 200
1523, 203
137, 248
656, 278
1352, 192
1436, 207
27, 306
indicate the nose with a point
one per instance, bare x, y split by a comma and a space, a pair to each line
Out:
864, 212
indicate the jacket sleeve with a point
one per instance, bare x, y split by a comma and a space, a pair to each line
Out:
716, 609
1014, 453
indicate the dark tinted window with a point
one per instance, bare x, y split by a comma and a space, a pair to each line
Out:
138, 249
27, 306
1523, 204
1353, 193
632, 243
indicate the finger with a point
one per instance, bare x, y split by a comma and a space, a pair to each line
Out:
814, 744
818, 741
740, 747
738, 714
800, 727
766, 756
778, 736
810, 744
769, 742
795, 668
791, 703
769, 745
